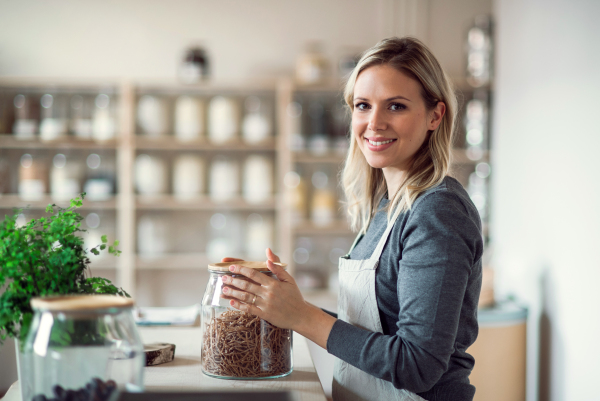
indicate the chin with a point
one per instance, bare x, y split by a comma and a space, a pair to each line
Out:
376, 162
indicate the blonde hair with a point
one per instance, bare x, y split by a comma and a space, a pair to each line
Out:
364, 186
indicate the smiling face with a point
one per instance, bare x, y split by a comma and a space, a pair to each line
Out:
390, 121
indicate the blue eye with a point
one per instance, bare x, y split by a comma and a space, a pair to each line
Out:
361, 106
397, 106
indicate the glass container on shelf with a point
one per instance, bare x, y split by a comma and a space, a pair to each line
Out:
318, 142
223, 119
100, 176
312, 66
259, 235
150, 175
104, 116
224, 179
297, 139
341, 128
54, 122
93, 236
189, 118
479, 51
153, 116
297, 194
262, 349
26, 112
258, 179
256, 125
225, 233
81, 347
153, 234
65, 177
194, 66
32, 177
188, 177
476, 125
324, 200
81, 125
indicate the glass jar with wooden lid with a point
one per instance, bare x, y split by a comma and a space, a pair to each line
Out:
237, 344
81, 347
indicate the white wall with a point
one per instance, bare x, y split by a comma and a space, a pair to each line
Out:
245, 38
546, 189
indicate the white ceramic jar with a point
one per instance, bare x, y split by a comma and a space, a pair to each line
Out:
223, 119
188, 177
224, 179
189, 118
258, 179
150, 175
153, 116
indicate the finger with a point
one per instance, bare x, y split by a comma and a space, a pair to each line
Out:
279, 272
246, 307
242, 284
271, 256
242, 296
252, 274
225, 260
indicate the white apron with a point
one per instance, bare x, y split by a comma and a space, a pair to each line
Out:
357, 305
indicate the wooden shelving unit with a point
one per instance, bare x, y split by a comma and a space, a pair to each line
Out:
127, 204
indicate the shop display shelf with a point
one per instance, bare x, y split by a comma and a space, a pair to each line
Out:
169, 142
10, 201
9, 141
170, 202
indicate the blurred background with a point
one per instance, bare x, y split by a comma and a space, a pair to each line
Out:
204, 129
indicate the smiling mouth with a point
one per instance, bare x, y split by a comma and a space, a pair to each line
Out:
379, 143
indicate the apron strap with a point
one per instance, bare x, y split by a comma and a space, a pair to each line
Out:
384, 237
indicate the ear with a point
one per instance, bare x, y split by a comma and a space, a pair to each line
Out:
435, 116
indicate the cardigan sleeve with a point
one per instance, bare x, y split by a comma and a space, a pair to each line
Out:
440, 243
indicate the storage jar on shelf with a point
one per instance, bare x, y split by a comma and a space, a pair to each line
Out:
83, 345
236, 344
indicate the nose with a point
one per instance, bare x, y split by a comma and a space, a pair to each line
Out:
377, 120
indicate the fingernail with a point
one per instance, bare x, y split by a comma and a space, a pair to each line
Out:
225, 289
225, 279
231, 268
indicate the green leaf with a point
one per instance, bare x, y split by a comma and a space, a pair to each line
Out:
46, 256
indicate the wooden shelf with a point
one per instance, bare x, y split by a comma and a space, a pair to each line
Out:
9, 141
169, 202
9, 201
307, 157
169, 142
340, 227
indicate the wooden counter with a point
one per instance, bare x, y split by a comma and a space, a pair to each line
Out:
184, 372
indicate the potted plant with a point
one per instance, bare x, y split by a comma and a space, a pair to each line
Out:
43, 257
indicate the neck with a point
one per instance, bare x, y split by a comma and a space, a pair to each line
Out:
393, 179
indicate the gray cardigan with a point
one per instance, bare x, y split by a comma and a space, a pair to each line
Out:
427, 284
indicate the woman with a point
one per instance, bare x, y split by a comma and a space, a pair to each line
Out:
410, 285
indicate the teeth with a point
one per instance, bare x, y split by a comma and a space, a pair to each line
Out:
379, 143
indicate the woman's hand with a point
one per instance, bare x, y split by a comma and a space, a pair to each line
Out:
277, 301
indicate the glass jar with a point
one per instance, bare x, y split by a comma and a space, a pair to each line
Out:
87, 345
236, 344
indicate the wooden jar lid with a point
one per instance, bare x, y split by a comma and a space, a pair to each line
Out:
80, 302
259, 266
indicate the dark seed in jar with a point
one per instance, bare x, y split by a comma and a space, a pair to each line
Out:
95, 390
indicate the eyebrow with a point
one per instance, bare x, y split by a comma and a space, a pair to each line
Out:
387, 100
